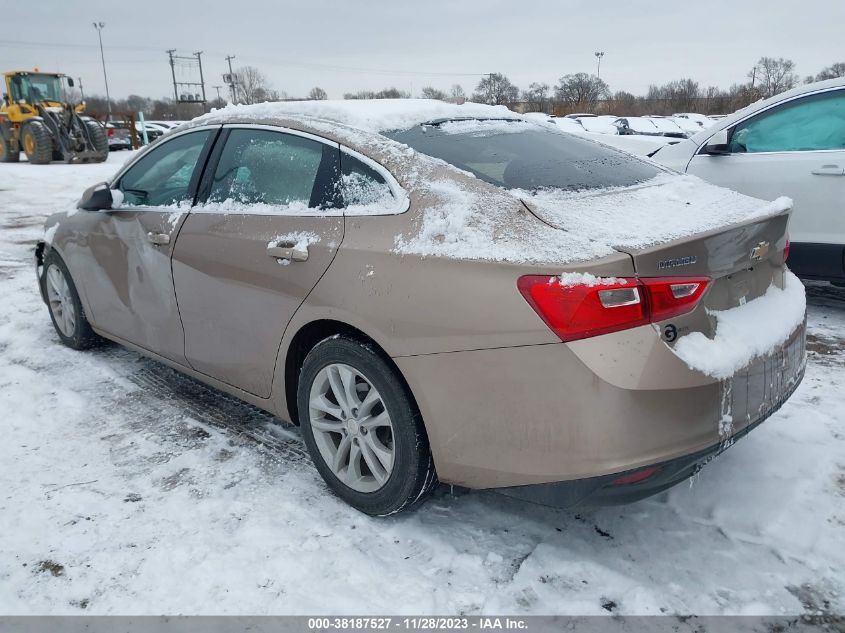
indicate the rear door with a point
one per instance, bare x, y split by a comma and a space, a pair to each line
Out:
128, 280
249, 254
795, 149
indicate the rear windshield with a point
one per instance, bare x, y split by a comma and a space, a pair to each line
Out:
523, 155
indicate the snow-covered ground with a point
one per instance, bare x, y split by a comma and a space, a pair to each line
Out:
126, 488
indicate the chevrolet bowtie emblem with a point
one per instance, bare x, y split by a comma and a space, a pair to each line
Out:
759, 252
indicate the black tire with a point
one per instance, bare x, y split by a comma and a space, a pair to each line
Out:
37, 143
412, 476
82, 336
99, 140
9, 151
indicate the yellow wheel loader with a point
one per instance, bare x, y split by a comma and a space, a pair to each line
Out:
35, 118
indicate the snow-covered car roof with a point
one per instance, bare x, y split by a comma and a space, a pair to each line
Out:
368, 115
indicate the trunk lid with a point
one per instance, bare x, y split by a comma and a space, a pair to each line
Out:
742, 260
679, 226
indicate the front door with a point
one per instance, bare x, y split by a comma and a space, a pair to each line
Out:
130, 290
248, 256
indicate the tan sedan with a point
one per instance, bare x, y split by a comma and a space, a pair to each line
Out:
466, 297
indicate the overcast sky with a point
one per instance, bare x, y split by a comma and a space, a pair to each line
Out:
351, 45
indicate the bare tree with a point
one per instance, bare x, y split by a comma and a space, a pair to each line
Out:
581, 90
625, 103
772, 76
252, 86
433, 93
387, 93
681, 95
495, 89
536, 97
135, 103
317, 94
457, 92
832, 72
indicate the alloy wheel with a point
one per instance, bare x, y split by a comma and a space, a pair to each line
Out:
61, 301
351, 427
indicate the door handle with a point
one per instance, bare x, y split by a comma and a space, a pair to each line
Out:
159, 239
829, 170
288, 251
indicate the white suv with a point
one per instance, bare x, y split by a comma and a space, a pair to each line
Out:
792, 144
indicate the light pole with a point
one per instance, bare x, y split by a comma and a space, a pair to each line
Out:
599, 55
99, 26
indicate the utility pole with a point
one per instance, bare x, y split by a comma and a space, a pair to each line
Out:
229, 59
599, 55
202, 81
99, 26
217, 88
81, 91
173, 73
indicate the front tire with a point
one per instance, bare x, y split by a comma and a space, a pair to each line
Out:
65, 308
362, 429
99, 140
37, 143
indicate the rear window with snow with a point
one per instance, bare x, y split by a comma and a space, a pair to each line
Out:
522, 155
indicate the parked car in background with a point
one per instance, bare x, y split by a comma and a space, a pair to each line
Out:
413, 318
636, 125
168, 124
791, 144
119, 137
667, 127
154, 125
601, 124
153, 132
702, 120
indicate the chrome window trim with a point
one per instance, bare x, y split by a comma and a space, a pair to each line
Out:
782, 153
771, 106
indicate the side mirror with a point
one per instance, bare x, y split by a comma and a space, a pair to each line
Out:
70, 81
717, 145
96, 198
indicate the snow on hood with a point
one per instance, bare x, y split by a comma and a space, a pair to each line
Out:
667, 207
747, 331
371, 115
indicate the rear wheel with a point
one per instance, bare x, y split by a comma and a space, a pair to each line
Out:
65, 307
99, 140
37, 143
9, 151
362, 429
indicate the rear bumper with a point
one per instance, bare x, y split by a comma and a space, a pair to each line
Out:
606, 490
545, 414
825, 262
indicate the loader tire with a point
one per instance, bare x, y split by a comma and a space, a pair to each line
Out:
99, 141
9, 151
37, 143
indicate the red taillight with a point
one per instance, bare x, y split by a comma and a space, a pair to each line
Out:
582, 310
786, 250
110, 131
670, 296
635, 477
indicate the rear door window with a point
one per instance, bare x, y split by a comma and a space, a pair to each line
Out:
262, 171
812, 123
